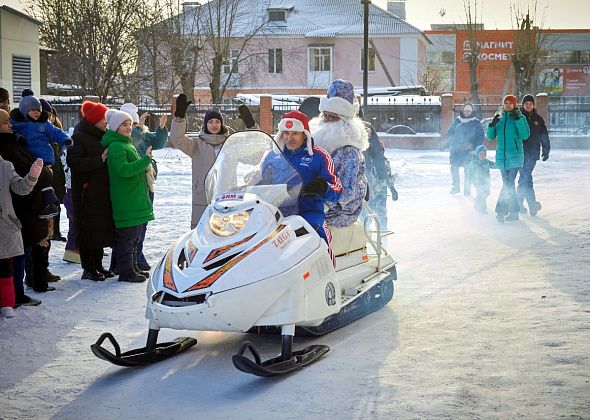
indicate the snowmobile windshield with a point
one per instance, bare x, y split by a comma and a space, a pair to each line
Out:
251, 162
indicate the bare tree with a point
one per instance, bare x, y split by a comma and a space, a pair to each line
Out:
472, 27
94, 40
228, 28
529, 43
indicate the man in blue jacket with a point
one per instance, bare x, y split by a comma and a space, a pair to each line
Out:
313, 163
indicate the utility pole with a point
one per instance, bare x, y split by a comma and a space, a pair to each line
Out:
366, 52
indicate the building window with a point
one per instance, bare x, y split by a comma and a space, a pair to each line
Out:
371, 59
320, 59
230, 65
21, 75
276, 16
275, 60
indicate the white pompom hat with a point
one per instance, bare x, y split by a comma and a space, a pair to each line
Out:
116, 118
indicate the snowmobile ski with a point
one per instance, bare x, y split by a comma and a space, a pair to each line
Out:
141, 356
310, 107
278, 365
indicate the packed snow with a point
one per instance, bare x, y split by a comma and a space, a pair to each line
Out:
488, 320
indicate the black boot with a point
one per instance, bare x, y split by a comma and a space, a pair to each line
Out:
92, 275
106, 273
132, 277
52, 277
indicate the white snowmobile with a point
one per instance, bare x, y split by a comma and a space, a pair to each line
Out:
253, 265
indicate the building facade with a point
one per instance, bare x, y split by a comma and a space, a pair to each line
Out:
19, 52
302, 45
564, 68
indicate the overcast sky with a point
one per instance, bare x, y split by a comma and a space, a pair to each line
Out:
558, 14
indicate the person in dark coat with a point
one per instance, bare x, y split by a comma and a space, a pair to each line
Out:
464, 135
13, 148
538, 140
93, 215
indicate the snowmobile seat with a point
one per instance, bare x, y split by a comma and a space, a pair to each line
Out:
347, 239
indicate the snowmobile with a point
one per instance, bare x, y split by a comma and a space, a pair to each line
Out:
253, 265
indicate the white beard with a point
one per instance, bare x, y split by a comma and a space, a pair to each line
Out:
336, 134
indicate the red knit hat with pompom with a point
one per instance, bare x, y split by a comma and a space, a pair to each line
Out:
93, 112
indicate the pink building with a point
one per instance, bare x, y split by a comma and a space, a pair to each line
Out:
300, 46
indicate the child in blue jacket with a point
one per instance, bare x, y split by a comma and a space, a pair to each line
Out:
33, 124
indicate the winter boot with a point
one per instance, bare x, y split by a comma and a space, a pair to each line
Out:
27, 301
455, 190
512, 217
6, 312
534, 209
50, 203
132, 277
106, 273
136, 268
500, 217
92, 275
52, 278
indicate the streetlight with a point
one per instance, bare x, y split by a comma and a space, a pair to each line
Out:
366, 3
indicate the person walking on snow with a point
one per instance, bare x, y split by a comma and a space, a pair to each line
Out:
464, 135
509, 130
479, 168
537, 142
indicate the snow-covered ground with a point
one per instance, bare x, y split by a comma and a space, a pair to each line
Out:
488, 321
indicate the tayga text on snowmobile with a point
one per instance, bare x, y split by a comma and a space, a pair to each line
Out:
251, 246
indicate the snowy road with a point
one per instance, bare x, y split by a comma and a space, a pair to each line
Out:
487, 321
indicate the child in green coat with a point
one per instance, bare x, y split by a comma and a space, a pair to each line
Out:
130, 199
479, 168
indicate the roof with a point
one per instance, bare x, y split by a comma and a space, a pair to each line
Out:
21, 14
315, 19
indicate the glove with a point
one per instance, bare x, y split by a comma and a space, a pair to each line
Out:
495, 120
181, 106
394, 195
317, 186
515, 114
545, 156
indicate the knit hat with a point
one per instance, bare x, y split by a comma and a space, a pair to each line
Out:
45, 106
294, 121
479, 149
528, 98
4, 117
510, 98
27, 104
93, 112
131, 109
27, 92
340, 99
116, 118
210, 115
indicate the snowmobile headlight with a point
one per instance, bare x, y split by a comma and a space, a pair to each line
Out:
227, 225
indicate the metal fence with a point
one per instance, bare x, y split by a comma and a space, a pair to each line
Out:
569, 115
69, 114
